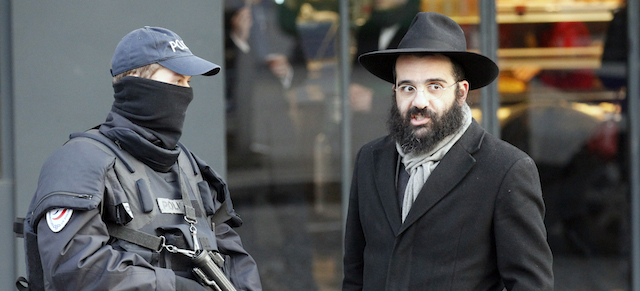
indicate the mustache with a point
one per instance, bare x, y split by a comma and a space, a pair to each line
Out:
420, 111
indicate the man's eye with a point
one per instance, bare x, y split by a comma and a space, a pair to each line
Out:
407, 88
434, 87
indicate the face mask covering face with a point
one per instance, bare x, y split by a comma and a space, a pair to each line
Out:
157, 107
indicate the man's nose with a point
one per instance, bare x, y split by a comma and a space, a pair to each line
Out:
421, 100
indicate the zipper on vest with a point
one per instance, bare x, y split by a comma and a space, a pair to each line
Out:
76, 195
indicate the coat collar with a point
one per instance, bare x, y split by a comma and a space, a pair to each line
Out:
452, 169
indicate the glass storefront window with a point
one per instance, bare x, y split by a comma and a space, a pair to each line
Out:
561, 95
558, 106
283, 132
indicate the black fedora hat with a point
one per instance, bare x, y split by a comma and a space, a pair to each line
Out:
433, 33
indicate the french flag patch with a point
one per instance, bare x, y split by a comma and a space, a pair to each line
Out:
58, 218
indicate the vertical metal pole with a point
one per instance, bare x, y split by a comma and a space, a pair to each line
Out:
11, 252
6, 92
489, 102
344, 73
633, 95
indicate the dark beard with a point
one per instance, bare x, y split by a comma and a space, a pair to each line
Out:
404, 133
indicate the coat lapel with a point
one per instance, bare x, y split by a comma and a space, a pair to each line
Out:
385, 159
452, 169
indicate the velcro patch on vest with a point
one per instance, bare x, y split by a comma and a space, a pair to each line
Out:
58, 218
170, 206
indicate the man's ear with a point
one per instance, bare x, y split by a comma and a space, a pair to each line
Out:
463, 87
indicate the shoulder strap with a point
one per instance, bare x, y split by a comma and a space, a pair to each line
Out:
137, 237
189, 210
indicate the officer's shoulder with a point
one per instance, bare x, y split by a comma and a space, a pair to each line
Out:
76, 167
79, 153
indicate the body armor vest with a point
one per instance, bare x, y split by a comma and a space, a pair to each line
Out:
143, 200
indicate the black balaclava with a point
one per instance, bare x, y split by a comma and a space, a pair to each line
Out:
159, 107
147, 118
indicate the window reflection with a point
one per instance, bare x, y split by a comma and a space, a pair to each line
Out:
556, 107
283, 129
562, 101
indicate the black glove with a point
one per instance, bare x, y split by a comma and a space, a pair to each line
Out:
184, 284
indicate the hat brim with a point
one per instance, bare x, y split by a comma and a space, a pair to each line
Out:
191, 66
479, 70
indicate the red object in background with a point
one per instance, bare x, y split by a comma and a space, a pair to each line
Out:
604, 140
568, 34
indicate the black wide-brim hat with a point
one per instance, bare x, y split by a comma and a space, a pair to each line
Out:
433, 33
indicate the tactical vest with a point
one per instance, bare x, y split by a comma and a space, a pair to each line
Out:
139, 220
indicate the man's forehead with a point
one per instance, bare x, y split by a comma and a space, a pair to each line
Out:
432, 67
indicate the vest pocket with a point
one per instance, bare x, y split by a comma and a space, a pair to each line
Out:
144, 194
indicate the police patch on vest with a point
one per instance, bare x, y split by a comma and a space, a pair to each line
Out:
58, 218
169, 206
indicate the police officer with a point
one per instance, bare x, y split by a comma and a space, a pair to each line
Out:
126, 206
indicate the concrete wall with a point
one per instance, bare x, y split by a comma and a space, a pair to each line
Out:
60, 83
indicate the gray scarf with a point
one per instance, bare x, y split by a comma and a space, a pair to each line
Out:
420, 165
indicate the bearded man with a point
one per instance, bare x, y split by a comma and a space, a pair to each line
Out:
439, 203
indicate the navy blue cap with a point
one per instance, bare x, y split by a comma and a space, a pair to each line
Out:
148, 45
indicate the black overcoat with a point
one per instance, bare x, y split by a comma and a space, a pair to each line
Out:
477, 223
